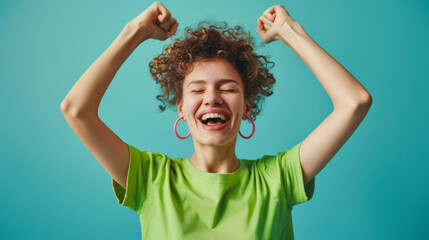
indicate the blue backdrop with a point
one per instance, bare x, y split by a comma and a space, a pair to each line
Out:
53, 188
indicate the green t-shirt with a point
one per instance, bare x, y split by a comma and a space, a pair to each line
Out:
176, 200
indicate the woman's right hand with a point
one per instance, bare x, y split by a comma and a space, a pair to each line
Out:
155, 22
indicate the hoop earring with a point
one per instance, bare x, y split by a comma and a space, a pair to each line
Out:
253, 123
175, 125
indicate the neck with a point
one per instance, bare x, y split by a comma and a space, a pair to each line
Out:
215, 159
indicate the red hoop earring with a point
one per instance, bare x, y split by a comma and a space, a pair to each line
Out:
175, 125
253, 123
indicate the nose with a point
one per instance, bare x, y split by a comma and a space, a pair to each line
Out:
212, 98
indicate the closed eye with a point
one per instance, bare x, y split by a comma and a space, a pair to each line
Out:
221, 90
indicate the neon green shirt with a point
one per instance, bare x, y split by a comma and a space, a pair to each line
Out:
176, 200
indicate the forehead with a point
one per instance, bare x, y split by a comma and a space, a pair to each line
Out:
212, 71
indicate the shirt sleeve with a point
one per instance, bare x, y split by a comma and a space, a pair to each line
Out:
292, 177
143, 170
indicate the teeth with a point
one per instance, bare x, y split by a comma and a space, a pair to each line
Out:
213, 115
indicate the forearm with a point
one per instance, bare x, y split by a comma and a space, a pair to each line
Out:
343, 89
85, 96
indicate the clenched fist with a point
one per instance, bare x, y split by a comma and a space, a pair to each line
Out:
155, 22
271, 22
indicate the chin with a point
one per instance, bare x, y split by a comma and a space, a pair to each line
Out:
216, 140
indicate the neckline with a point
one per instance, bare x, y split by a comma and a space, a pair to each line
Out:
213, 177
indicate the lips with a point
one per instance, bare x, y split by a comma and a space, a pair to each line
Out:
214, 127
220, 111
212, 120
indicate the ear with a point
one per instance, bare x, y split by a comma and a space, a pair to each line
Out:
179, 107
248, 108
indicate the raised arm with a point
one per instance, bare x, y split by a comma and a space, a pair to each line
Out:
350, 99
80, 106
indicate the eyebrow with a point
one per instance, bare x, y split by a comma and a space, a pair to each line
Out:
222, 81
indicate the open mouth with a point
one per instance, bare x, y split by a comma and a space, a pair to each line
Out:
213, 121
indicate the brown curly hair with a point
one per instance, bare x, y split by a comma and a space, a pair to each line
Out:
233, 45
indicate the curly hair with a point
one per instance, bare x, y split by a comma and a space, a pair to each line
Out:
233, 45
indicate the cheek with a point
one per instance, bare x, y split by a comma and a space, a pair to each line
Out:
237, 104
190, 106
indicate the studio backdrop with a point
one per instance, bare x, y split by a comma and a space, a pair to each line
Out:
52, 187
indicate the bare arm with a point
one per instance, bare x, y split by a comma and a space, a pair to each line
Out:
85, 96
350, 99
80, 106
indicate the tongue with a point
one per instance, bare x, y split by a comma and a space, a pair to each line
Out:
210, 123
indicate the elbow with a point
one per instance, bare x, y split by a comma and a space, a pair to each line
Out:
363, 106
361, 102
67, 109
366, 101
65, 106
70, 111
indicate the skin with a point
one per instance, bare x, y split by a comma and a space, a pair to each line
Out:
350, 99
214, 150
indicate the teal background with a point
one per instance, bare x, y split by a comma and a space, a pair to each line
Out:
375, 187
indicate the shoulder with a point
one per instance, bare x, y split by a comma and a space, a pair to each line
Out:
264, 167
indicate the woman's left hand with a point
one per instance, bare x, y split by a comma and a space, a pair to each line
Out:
271, 22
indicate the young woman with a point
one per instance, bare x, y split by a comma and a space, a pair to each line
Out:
215, 80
